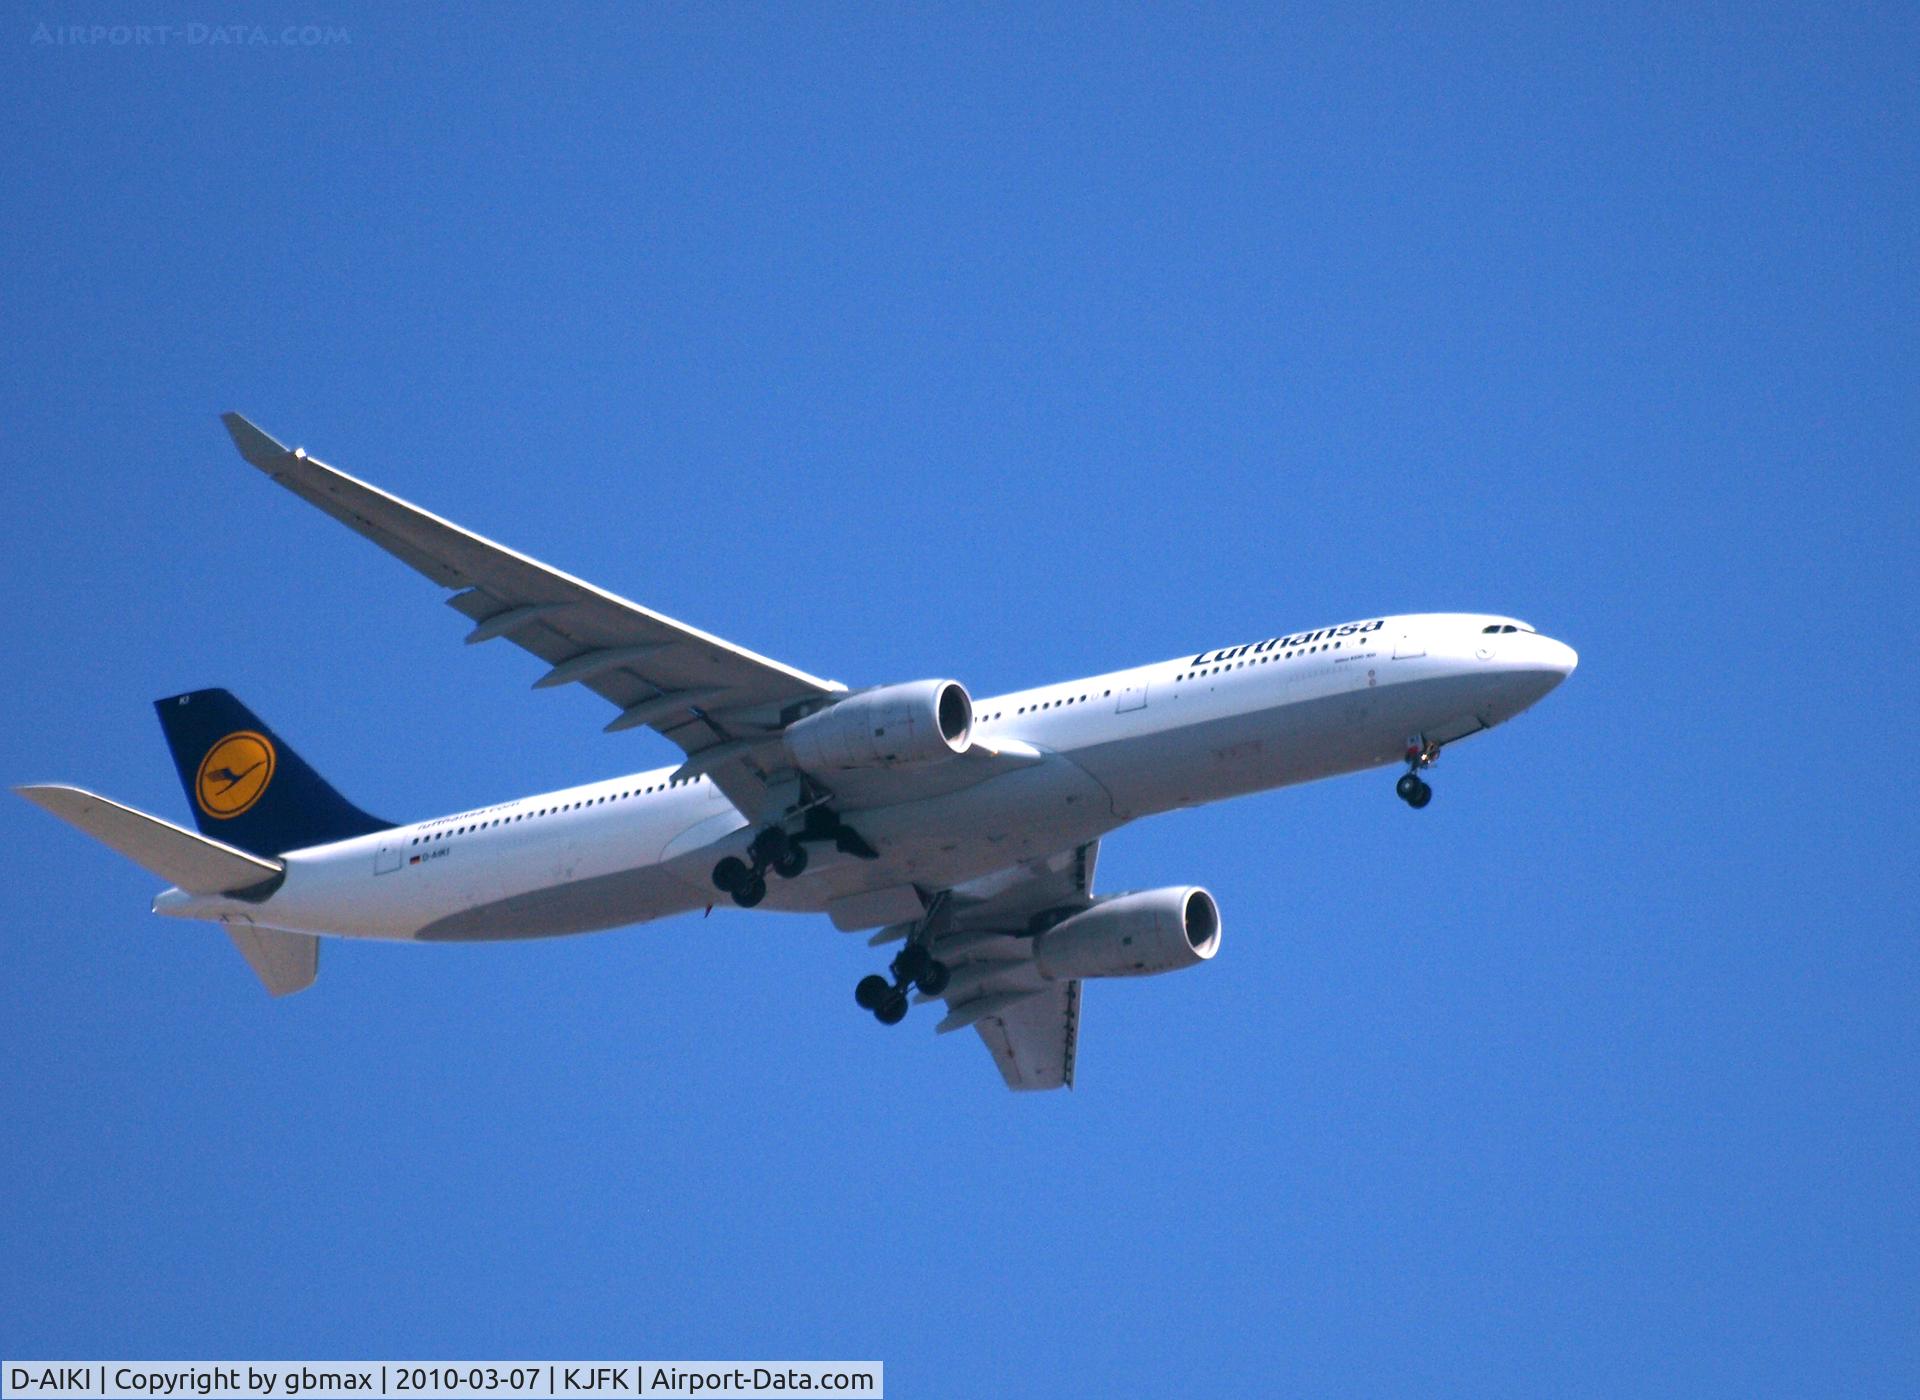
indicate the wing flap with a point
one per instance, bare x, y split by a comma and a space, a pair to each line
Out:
1034, 1040
982, 932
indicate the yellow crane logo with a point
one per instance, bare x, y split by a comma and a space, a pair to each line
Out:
234, 774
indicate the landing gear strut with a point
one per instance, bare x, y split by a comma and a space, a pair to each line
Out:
785, 855
913, 968
1412, 788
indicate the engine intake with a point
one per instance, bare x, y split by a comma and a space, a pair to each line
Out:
1133, 935
896, 726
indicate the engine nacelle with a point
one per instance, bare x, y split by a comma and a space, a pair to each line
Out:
1133, 935
896, 726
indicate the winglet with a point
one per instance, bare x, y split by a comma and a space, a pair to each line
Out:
254, 445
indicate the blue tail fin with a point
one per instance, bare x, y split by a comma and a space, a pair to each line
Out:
245, 785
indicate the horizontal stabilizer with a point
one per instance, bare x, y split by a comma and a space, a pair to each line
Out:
197, 864
284, 962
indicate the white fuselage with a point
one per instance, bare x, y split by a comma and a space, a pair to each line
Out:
1099, 753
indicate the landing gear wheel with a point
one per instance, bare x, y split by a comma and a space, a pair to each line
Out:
730, 874
1413, 790
893, 1010
934, 978
791, 862
750, 891
873, 991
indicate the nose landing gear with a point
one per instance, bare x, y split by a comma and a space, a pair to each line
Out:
1412, 788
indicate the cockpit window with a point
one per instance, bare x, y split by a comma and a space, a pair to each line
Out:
1504, 627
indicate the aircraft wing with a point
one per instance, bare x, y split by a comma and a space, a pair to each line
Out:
983, 934
712, 698
1034, 1040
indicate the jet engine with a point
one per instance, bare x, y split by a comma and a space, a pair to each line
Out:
1133, 935
895, 726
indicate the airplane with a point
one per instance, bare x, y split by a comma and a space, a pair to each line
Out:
963, 829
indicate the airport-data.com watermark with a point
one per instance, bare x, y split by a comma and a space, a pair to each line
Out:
188, 36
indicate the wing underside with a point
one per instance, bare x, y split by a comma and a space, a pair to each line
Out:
1034, 1040
983, 932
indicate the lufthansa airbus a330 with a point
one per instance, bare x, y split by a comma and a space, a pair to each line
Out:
962, 829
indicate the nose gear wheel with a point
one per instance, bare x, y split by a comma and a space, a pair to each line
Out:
1412, 789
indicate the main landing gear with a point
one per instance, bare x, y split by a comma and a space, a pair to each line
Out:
786, 856
1412, 788
771, 850
914, 967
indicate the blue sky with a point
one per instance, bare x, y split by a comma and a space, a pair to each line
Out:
1008, 344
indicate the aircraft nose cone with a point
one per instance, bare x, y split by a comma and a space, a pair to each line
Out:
1536, 666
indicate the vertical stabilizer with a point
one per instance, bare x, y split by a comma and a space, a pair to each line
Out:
245, 785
